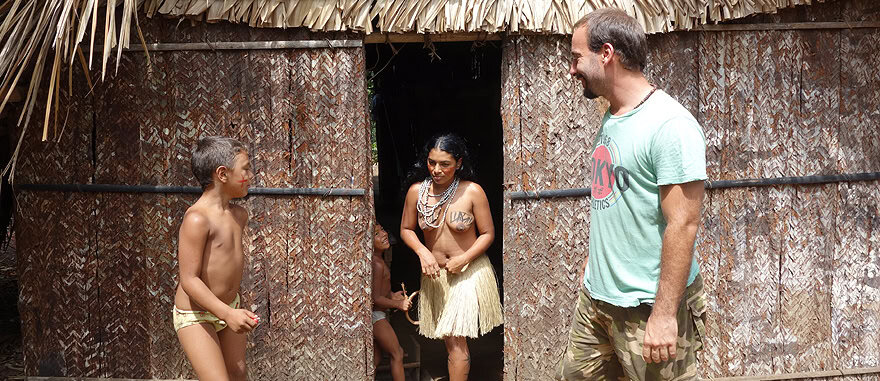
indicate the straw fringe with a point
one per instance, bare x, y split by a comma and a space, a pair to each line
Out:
557, 16
464, 305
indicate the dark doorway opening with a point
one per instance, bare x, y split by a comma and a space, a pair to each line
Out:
418, 91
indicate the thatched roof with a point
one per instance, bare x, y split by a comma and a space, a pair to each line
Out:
31, 28
443, 16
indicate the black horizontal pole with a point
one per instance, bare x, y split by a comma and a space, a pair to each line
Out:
118, 188
717, 184
552, 193
798, 180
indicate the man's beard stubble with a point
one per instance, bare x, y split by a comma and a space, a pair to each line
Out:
589, 94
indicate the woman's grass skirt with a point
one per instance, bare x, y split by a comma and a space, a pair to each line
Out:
465, 304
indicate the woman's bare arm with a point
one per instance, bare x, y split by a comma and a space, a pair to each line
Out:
408, 223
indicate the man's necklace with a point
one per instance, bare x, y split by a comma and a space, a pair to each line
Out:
653, 88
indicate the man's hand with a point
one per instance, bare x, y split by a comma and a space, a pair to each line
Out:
399, 295
661, 337
241, 321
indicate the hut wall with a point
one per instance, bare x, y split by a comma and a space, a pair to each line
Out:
791, 271
97, 294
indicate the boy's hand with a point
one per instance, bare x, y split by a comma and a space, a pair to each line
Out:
399, 295
242, 321
404, 304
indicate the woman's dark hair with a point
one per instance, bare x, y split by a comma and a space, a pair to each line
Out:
449, 143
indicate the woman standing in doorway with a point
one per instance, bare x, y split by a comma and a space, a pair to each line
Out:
459, 293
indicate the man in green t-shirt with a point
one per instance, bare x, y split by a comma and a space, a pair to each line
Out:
640, 313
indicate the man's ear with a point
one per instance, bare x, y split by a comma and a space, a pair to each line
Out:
607, 52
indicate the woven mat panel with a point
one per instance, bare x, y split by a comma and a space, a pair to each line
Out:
308, 269
549, 129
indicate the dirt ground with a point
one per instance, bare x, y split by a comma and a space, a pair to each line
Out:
487, 359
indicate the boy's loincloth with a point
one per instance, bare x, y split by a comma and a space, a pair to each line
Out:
184, 318
379, 315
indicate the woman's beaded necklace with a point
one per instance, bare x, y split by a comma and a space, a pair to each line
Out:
427, 210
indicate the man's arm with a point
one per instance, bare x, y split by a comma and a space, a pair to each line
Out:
681, 204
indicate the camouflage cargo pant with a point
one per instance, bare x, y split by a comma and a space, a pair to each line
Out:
605, 342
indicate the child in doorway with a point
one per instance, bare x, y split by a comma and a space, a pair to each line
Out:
384, 338
210, 323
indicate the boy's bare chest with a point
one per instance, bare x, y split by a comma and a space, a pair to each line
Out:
226, 238
386, 274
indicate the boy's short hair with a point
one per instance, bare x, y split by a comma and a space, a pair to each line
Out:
213, 152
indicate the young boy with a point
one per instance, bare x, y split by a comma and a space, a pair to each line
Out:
384, 337
211, 326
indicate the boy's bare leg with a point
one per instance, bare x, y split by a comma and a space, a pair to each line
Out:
459, 358
234, 346
202, 348
387, 340
377, 354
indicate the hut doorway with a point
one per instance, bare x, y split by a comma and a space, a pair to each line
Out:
417, 91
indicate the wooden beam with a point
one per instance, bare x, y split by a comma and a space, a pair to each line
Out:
31, 378
770, 377
241, 45
408, 365
788, 26
381, 38
802, 375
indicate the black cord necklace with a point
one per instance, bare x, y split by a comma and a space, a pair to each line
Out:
653, 88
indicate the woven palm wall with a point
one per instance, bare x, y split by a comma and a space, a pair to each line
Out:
96, 297
791, 271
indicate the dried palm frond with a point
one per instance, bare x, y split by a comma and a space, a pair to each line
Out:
34, 31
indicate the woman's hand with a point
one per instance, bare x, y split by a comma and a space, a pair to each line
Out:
456, 264
429, 265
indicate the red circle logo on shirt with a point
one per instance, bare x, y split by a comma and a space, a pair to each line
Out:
603, 173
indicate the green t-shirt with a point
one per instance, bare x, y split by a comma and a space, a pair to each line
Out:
658, 143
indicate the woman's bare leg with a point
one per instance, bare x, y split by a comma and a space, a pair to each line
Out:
459, 358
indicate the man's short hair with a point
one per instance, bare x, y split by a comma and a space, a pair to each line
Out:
213, 152
613, 26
